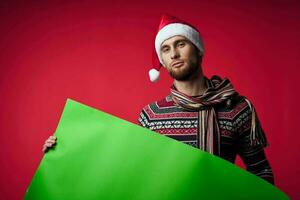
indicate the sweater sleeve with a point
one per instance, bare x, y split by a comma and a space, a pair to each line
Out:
252, 153
142, 120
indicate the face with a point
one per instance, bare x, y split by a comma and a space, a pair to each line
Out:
180, 50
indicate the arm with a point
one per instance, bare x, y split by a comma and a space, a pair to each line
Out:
255, 160
142, 120
251, 143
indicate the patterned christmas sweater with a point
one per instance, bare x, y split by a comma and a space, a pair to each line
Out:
234, 121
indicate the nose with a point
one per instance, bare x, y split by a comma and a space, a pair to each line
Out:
174, 53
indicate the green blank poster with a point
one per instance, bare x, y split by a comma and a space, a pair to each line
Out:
99, 156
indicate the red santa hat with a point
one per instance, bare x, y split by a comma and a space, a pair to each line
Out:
170, 26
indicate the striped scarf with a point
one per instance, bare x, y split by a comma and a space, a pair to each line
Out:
218, 91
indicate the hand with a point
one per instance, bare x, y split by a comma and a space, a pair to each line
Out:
49, 143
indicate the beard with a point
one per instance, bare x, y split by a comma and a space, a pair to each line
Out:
184, 73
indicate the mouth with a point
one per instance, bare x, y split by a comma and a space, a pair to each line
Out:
177, 64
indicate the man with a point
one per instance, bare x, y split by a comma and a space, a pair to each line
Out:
205, 113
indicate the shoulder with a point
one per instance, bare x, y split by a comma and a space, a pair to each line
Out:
236, 110
160, 104
248, 126
232, 107
164, 105
151, 110
164, 111
243, 110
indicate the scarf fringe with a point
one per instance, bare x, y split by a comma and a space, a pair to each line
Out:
257, 135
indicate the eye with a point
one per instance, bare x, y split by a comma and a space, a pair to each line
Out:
166, 49
181, 44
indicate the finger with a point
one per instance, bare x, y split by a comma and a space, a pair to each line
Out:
51, 140
48, 144
44, 148
48, 141
52, 137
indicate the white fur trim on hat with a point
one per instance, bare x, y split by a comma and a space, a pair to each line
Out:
173, 29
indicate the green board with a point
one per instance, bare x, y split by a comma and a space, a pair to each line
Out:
100, 156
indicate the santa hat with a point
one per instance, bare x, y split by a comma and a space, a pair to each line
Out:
170, 26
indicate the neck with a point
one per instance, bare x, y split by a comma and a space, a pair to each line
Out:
192, 87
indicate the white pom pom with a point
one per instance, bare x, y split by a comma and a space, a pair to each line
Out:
154, 75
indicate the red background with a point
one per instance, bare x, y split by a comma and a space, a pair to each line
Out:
99, 53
